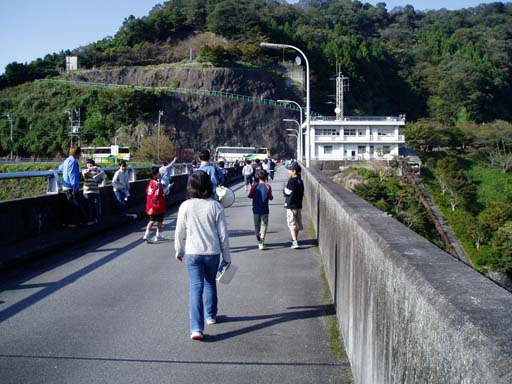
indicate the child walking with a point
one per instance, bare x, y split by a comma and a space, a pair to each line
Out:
294, 193
247, 171
155, 206
260, 193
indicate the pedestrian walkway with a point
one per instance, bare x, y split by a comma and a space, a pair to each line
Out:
115, 310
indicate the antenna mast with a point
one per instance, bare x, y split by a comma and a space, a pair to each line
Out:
341, 87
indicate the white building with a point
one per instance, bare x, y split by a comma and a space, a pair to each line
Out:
356, 137
72, 63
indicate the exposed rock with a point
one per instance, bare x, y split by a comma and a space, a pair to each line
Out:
196, 121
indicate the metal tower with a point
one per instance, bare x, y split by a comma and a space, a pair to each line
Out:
341, 87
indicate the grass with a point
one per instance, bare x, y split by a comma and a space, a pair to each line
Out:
493, 184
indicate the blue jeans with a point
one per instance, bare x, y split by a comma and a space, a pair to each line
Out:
121, 202
202, 270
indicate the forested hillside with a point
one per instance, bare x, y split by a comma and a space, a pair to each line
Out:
436, 64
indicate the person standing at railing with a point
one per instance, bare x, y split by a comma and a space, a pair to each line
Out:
121, 186
77, 213
93, 177
166, 172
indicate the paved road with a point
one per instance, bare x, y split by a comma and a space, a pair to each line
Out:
114, 310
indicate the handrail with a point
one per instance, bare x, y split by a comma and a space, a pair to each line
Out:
189, 91
53, 175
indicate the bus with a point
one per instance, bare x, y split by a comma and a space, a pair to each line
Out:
231, 154
106, 154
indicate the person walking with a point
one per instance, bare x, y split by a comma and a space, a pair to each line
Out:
271, 169
216, 175
294, 193
93, 177
166, 171
247, 172
77, 212
201, 236
260, 193
155, 206
121, 186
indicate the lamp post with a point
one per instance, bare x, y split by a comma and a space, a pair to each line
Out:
9, 117
299, 141
160, 114
308, 115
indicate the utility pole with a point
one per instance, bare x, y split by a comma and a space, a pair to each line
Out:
160, 114
74, 120
10, 118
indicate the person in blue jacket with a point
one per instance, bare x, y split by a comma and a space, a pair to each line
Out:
77, 204
216, 176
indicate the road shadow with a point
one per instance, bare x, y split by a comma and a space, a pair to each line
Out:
300, 313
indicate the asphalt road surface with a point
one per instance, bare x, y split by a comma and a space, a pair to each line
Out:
115, 310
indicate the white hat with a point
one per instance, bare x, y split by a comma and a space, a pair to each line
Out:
226, 196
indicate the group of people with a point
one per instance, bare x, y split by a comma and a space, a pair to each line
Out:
201, 235
85, 206
250, 168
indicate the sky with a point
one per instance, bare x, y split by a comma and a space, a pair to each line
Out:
30, 29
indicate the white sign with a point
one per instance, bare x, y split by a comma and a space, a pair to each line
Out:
114, 150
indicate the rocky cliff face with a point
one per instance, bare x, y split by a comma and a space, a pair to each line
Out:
195, 121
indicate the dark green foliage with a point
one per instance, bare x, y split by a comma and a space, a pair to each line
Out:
436, 64
41, 127
392, 194
483, 227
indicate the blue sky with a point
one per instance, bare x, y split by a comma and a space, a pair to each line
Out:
33, 28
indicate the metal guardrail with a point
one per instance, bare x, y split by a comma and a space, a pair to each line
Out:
360, 118
188, 91
53, 179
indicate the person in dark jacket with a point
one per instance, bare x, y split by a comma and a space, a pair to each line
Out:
294, 193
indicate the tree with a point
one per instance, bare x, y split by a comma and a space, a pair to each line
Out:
148, 148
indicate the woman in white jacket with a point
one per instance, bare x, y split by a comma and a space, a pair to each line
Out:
201, 236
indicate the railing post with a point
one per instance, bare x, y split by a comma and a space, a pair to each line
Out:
53, 183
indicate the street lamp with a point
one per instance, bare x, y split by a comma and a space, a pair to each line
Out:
9, 117
300, 143
299, 138
160, 114
308, 117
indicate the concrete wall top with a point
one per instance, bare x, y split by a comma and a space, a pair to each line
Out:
409, 311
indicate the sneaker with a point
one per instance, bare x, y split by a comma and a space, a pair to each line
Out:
196, 335
158, 238
261, 246
211, 321
145, 237
295, 244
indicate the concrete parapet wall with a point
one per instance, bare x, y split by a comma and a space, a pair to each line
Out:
409, 312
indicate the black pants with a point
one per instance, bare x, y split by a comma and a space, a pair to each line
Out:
77, 208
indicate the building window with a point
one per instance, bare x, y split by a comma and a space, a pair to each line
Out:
361, 149
386, 149
349, 132
327, 149
372, 149
327, 132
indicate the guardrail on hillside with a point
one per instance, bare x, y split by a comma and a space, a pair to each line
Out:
53, 179
189, 91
